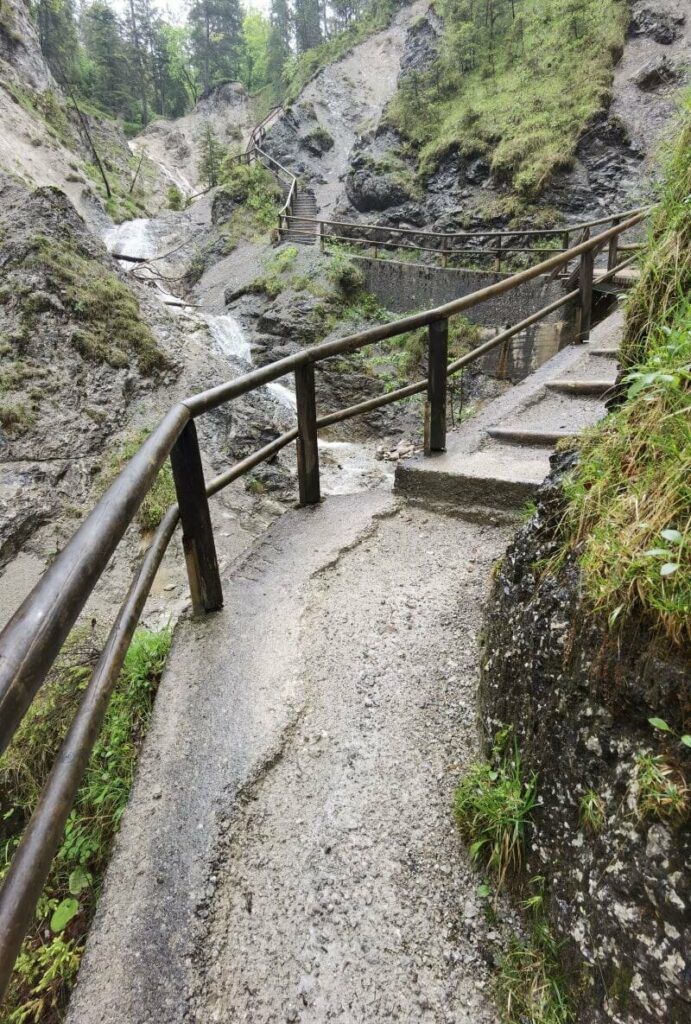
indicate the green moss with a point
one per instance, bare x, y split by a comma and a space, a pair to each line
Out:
320, 137
110, 328
159, 497
518, 89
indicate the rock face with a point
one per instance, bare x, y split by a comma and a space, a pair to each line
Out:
654, 20
19, 46
579, 700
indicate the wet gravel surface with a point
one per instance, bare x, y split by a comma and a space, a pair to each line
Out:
341, 891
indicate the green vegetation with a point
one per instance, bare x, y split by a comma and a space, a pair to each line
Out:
493, 805
628, 515
661, 790
530, 986
14, 417
320, 138
592, 808
176, 200
159, 497
514, 83
110, 326
255, 189
48, 964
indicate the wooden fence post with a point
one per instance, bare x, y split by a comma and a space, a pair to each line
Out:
321, 236
585, 286
307, 447
612, 255
444, 251
197, 532
435, 408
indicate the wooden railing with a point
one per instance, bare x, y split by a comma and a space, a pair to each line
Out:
495, 247
34, 636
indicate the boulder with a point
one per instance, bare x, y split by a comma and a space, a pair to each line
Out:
369, 191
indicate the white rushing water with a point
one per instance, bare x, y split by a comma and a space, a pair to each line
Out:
228, 335
345, 467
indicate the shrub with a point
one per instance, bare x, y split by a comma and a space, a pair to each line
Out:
176, 200
47, 965
345, 275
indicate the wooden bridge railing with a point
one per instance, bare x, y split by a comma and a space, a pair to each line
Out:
34, 636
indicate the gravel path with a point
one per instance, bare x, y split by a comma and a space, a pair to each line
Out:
341, 891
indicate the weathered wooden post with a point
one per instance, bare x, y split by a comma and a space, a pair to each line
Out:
444, 250
585, 287
197, 532
612, 255
435, 407
321, 236
307, 447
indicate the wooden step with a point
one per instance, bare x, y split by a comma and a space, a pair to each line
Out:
612, 353
581, 387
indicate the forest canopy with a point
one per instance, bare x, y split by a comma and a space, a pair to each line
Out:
129, 60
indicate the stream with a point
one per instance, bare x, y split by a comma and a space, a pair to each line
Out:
345, 467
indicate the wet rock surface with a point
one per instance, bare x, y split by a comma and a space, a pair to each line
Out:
579, 698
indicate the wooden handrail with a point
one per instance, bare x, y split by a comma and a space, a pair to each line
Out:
32, 639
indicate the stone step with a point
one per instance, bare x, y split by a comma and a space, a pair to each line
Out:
581, 387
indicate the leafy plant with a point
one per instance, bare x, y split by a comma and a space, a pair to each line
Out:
493, 806
176, 200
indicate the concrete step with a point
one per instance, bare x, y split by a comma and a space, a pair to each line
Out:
581, 387
491, 483
497, 459
534, 438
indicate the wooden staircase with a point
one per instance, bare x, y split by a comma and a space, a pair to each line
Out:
298, 233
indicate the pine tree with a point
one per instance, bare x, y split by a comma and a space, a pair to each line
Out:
110, 79
216, 39
279, 41
307, 24
211, 154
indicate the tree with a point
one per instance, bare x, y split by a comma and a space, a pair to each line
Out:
140, 18
216, 40
256, 31
57, 34
278, 45
307, 24
211, 153
109, 75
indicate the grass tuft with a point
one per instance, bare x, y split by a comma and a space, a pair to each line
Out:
493, 805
